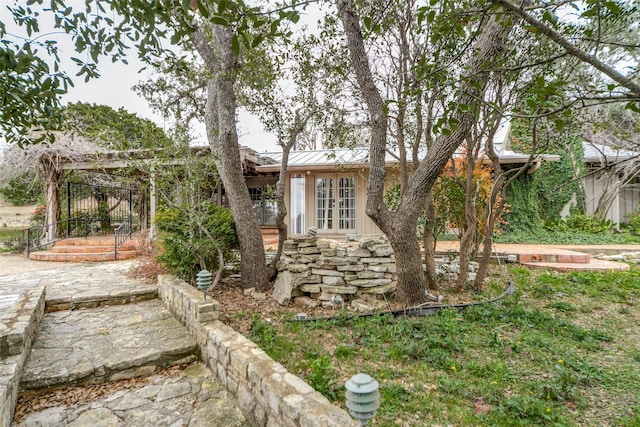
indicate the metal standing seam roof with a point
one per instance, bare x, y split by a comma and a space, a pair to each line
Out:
310, 159
595, 153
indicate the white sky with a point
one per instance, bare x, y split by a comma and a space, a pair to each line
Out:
114, 88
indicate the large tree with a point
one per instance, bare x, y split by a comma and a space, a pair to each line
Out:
218, 32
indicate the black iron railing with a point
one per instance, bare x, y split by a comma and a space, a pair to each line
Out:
108, 206
122, 233
40, 236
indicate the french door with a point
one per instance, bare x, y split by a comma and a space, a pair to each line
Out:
335, 203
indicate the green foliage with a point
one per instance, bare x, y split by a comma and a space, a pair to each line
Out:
533, 360
12, 240
115, 129
31, 81
523, 211
542, 236
186, 249
577, 222
22, 190
633, 223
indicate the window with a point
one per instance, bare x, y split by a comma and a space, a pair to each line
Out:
264, 204
335, 207
297, 204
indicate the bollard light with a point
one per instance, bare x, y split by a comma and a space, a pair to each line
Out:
203, 281
363, 398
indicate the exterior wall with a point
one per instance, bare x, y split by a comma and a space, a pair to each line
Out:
364, 224
629, 200
626, 202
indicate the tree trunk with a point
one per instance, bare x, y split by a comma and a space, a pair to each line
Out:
400, 226
52, 180
220, 120
282, 209
468, 236
409, 265
430, 243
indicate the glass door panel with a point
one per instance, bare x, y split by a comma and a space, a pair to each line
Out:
346, 203
324, 203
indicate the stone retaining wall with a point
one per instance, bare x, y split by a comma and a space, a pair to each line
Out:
18, 327
315, 271
266, 392
320, 269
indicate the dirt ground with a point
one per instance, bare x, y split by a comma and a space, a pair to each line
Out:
15, 216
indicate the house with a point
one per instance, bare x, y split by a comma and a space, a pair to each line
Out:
327, 189
611, 182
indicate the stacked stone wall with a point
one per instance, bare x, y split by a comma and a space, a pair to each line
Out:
321, 269
18, 328
359, 271
266, 392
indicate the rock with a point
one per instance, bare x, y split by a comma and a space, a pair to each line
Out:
304, 259
332, 280
351, 267
379, 290
326, 296
330, 252
217, 409
377, 260
283, 287
311, 288
357, 252
247, 292
339, 289
297, 268
306, 302
309, 250
325, 272
370, 274
325, 243
361, 306
369, 283
289, 245
328, 304
50, 417
100, 417
337, 260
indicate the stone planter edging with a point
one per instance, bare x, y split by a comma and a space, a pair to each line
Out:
266, 392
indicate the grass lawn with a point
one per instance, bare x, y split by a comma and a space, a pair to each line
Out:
565, 350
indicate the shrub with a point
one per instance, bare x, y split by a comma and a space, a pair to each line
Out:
22, 190
633, 223
185, 246
590, 224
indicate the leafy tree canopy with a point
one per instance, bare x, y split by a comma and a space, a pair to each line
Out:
115, 129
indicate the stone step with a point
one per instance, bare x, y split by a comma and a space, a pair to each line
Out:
78, 249
593, 265
105, 344
93, 241
82, 257
566, 258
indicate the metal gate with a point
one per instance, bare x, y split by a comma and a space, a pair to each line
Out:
105, 207
91, 210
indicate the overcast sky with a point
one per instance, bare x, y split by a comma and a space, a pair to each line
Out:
113, 88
